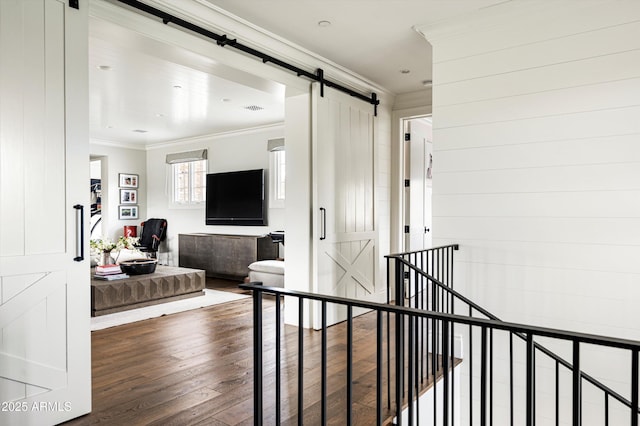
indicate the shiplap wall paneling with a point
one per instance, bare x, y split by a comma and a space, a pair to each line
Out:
537, 172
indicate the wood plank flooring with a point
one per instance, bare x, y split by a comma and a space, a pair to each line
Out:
195, 368
188, 368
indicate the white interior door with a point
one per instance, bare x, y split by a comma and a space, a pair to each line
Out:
45, 362
418, 171
345, 232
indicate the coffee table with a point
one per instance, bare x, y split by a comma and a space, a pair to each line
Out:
166, 284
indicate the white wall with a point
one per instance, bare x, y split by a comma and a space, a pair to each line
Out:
117, 159
243, 150
298, 192
537, 174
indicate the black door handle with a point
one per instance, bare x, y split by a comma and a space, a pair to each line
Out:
323, 227
79, 233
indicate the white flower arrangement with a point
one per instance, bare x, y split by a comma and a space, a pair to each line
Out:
106, 245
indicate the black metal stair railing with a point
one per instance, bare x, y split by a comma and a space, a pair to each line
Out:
424, 280
295, 404
435, 262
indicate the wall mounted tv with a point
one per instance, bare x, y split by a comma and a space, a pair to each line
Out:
236, 198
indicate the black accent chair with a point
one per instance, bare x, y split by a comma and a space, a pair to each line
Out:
154, 231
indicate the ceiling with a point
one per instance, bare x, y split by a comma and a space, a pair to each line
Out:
143, 92
374, 38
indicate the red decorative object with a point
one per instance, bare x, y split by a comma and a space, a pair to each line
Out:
130, 231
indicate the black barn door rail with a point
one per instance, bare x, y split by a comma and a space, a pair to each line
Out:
223, 40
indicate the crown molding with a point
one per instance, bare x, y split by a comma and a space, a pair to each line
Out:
190, 140
113, 144
214, 136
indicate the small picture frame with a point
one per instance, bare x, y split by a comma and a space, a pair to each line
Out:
127, 212
128, 196
128, 180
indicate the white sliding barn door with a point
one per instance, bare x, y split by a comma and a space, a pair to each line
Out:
45, 375
345, 233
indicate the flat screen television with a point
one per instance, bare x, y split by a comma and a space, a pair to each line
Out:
236, 198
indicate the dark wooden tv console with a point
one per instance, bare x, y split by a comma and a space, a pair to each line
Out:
224, 255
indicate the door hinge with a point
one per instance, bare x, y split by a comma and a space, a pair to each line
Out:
407, 182
407, 137
74, 4
406, 229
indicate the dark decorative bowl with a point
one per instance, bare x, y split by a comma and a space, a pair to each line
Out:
138, 266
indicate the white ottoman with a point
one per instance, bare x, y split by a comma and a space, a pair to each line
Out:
269, 272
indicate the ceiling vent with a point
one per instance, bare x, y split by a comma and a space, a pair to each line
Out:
253, 108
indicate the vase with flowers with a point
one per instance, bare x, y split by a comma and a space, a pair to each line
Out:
104, 247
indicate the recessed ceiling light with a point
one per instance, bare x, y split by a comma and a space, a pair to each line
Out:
109, 126
324, 23
104, 67
159, 114
225, 100
405, 71
177, 86
427, 83
139, 131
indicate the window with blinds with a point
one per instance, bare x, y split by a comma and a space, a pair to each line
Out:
277, 176
188, 177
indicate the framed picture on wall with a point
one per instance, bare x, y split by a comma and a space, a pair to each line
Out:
128, 196
127, 212
128, 180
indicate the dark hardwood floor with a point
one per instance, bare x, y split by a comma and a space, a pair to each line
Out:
195, 368
225, 285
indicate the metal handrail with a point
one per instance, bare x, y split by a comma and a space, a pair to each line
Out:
447, 320
423, 341
399, 257
538, 346
588, 338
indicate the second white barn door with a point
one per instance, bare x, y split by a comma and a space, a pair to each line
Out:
345, 227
